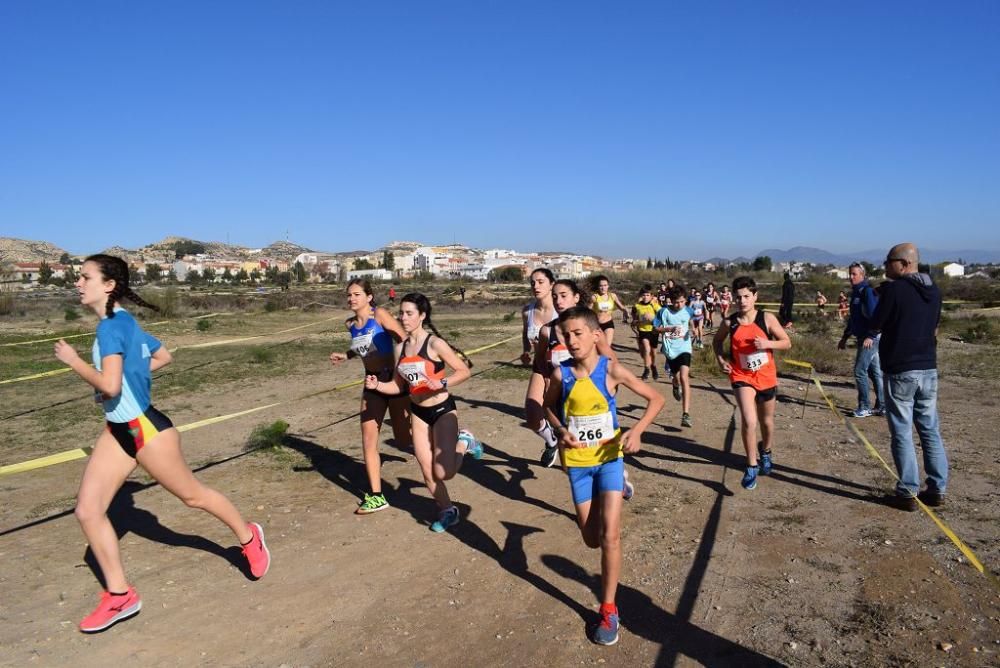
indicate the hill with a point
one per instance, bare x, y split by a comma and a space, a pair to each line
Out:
26, 250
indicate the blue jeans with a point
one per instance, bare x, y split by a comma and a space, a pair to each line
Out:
911, 399
866, 364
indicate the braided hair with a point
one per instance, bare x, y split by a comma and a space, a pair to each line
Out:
115, 269
424, 307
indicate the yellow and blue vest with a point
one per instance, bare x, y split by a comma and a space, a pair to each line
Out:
590, 412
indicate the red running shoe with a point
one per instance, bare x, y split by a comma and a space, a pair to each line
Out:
111, 610
256, 552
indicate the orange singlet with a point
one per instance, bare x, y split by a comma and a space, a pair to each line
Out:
751, 366
417, 369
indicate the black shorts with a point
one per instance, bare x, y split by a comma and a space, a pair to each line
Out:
133, 435
610, 324
675, 363
652, 336
431, 414
762, 395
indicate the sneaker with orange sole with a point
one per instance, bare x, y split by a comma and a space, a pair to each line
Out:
256, 551
111, 610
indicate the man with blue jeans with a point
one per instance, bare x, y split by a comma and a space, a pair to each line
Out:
907, 316
866, 359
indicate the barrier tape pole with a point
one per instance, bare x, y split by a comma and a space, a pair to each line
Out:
80, 453
945, 529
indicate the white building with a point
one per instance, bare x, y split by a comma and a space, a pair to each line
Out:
953, 269
377, 274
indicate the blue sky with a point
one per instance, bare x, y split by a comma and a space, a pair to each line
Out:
682, 129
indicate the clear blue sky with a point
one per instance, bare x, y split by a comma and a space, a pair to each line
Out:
686, 129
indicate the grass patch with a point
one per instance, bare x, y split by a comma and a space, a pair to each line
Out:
260, 355
267, 436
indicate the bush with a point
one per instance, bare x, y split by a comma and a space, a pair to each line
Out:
71, 314
204, 324
982, 330
261, 355
267, 436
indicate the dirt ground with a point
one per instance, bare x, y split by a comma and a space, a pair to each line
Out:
809, 569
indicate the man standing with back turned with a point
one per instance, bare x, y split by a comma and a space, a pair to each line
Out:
907, 315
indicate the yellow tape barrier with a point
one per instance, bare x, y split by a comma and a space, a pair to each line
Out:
80, 453
56, 372
962, 547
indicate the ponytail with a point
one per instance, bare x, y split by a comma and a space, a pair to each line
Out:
424, 307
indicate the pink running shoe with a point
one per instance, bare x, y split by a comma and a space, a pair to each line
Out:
111, 610
256, 552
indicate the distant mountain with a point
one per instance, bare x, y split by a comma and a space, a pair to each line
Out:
284, 250
875, 256
26, 250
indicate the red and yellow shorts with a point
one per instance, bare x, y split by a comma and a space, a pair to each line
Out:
134, 434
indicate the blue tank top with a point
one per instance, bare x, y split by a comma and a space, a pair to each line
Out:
370, 338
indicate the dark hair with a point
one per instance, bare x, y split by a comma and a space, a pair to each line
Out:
595, 282
580, 313
646, 287
676, 292
424, 307
576, 289
115, 269
366, 286
545, 271
745, 282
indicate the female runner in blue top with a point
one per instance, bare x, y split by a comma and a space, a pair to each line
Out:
374, 333
136, 433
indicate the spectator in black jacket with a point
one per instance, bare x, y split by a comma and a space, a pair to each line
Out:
787, 301
907, 315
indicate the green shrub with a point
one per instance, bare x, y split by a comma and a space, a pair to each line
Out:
204, 324
71, 314
261, 355
981, 330
267, 436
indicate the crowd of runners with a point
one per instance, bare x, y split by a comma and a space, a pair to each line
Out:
409, 371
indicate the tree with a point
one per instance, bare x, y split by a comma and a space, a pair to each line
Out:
172, 276
284, 278
299, 271
241, 276
193, 277
363, 263
649, 263
271, 274
69, 275
154, 272
227, 276
762, 263
506, 275
388, 260
208, 274
44, 273
255, 275
65, 259
133, 275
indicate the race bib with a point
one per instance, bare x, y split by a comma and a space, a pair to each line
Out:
413, 373
754, 361
604, 306
558, 355
362, 344
592, 429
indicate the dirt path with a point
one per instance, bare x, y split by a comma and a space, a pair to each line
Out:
805, 570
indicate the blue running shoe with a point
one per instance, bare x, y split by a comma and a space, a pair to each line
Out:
750, 478
765, 463
606, 632
447, 518
472, 446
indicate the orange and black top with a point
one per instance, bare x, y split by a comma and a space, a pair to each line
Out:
417, 369
556, 351
750, 366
